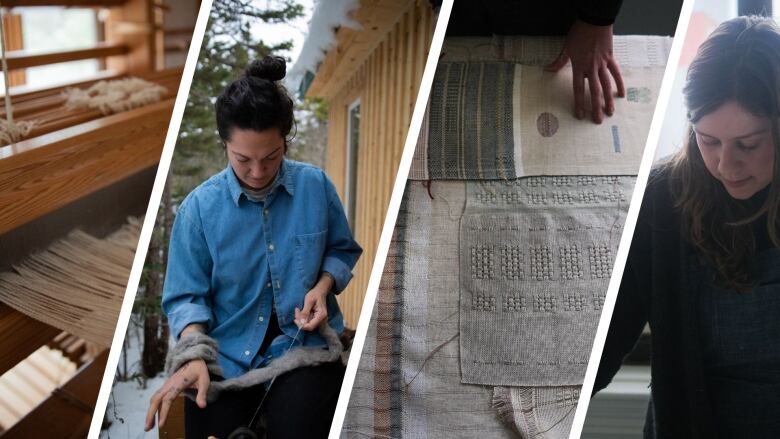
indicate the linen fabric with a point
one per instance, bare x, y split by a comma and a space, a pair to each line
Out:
536, 256
408, 380
496, 114
232, 261
501, 120
537, 412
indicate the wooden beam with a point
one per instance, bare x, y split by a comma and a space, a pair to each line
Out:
20, 59
66, 3
174, 426
67, 412
185, 31
45, 173
353, 47
22, 335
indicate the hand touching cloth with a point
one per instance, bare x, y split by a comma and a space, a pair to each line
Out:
315, 309
589, 47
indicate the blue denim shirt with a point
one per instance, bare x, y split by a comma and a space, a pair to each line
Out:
231, 261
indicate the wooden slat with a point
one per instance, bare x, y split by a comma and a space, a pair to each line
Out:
40, 175
20, 59
68, 411
29, 91
20, 336
14, 41
184, 31
353, 47
387, 82
174, 426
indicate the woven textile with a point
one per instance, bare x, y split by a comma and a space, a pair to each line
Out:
549, 140
470, 132
629, 50
76, 284
408, 382
477, 132
535, 260
537, 412
419, 168
495, 113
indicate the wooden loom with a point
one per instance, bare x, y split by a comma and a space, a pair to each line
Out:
80, 170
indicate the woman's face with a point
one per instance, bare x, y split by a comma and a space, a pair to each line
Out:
737, 149
255, 156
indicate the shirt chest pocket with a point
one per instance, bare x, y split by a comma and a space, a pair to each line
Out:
309, 251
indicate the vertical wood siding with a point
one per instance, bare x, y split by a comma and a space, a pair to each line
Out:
387, 84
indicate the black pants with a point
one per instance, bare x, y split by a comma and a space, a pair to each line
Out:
300, 404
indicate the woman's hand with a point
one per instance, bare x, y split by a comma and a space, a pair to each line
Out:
590, 49
193, 375
315, 309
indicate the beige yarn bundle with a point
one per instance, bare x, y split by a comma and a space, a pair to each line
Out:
115, 96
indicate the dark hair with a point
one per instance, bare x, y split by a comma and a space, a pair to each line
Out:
739, 62
256, 101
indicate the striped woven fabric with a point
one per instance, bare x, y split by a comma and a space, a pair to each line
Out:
470, 131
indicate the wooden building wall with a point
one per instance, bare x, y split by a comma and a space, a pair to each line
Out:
386, 82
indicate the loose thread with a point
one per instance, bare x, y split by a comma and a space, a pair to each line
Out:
428, 357
427, 184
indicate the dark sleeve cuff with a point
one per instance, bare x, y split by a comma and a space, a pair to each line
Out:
598, 13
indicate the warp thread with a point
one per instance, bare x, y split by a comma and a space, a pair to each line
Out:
77, 283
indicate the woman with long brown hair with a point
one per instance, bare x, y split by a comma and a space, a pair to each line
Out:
704, 264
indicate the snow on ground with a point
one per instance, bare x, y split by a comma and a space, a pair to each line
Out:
129, 399
127, 410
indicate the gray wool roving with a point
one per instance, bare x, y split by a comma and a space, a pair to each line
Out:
193, 347
190, 347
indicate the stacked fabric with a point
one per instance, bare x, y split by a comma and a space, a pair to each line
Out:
503, 252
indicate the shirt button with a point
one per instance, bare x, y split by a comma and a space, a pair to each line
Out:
265, 211
261, 318
268, 285
271, 247
246, 353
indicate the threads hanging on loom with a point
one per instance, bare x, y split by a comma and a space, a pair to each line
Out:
10, 131
77, 283
115, 96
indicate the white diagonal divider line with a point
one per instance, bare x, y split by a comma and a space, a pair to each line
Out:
392, 214
633, 212
151, 216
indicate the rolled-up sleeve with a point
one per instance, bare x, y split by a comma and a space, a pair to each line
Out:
341, 250
187, 285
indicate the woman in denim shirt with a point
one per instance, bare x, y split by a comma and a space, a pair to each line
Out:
257, 252
704, 264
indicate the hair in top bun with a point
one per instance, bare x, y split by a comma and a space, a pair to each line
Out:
256, 101
272, 68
